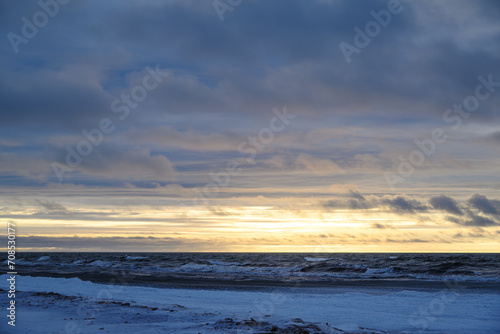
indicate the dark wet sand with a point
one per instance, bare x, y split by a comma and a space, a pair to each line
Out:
334, 285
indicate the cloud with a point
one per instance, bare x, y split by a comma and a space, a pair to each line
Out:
406, 240
9, 143
472, 219
166, 136
356, 202
403, 204
119, 164
379, 226
476, 220
218, 211
52, 206
343, 188
357, 195
102, 243
316, 165
367, 162
448, 204
28, 165
353, 120
53, 93
493, 138
483, 204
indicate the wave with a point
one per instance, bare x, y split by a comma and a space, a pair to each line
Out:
100, 263
273, 266
317, 259
221, 263
128, 257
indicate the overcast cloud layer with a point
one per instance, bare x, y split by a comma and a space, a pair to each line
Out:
262, 110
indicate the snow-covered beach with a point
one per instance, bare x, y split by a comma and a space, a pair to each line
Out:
70, 305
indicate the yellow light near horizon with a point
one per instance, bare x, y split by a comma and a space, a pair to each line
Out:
262, 228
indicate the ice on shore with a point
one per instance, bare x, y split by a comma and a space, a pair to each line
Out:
53, 303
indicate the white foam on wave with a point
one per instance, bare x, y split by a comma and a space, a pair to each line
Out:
379, 271
21, 261
317, 259
44, 258
100, 263
221, 263
135, 257
194, 266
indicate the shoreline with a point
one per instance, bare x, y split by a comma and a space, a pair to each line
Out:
87, 307
180, 282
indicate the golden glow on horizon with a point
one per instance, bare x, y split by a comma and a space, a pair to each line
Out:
263, 228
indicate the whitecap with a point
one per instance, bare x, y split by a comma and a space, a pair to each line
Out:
316, 259
128, 257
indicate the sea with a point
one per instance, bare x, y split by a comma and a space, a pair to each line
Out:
264, 268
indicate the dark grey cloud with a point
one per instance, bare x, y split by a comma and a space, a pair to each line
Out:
357, 203
291, 56
218, 211
474, 220
404, 204
493, 137
357, 195
98, 243
400, 204
56, 98
483, 204
122, 244
380, 226
478, 206
115, 162
406, 240
467, 213
51, 206
445, 203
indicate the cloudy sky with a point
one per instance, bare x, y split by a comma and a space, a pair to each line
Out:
200, 125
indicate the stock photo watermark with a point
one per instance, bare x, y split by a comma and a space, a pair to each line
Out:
30, 28
372, 29
89, 307
223, 6
455, 116
121, 107
11, 266
250, 147
265, 308
427, 314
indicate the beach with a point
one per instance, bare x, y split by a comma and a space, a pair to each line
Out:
70, 305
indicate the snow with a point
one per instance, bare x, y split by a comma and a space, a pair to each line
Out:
133, 309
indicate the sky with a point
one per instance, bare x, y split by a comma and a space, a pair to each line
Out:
251, 126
